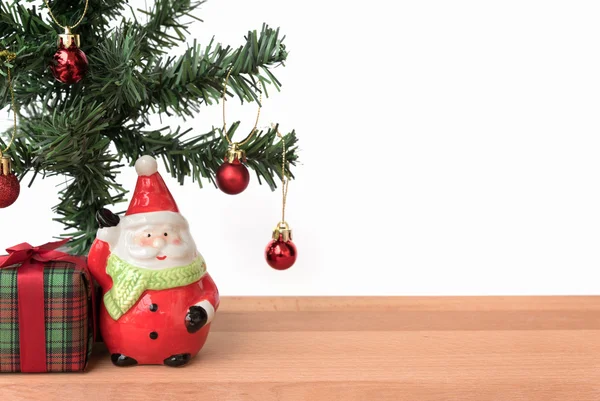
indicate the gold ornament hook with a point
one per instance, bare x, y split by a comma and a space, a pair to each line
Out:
282, 231
245, 140
6, 165
235, 153
68, 38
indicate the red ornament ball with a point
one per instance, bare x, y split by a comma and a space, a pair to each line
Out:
233, 178
280, 254
69, 65
9, 189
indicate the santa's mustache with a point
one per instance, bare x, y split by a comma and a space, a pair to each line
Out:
171, 251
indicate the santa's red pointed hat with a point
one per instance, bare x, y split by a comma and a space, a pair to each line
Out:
151, 201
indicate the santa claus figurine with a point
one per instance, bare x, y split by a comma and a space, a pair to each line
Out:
158, 298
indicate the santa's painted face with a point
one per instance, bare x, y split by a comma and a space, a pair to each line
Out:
157, 246
158, 242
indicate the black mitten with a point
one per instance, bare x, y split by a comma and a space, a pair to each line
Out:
195, 319
106, 218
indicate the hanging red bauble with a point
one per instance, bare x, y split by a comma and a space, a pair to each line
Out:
9, 184
233, 177
70, 64
281, 252
9, 189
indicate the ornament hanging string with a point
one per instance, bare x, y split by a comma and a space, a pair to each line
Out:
285, 179
9, 56
66, 27
243, 142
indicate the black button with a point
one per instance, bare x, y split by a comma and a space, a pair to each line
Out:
154, 335
153, 308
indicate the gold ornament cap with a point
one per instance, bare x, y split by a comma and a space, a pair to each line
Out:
67, 39
234, 152
282, 231
6, 165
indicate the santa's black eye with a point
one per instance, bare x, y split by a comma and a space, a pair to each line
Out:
149, 235
165, 234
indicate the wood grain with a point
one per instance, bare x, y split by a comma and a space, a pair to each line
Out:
353, 348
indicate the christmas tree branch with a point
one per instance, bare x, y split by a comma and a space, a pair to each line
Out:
164, 28
134, 84
200, 156
77, 212
198, 76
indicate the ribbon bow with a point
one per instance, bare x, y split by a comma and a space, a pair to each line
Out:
23, 252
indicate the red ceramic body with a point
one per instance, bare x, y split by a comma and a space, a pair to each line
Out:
281, 255
233, 178
160, 312
69, 65
9, 189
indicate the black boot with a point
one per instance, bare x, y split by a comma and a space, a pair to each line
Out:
177, 360
122, 360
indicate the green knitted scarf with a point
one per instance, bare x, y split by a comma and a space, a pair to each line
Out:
129, 282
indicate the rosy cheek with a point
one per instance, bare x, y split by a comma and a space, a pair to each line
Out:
145, 241
176, 241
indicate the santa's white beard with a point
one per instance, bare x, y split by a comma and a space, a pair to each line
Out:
170, 251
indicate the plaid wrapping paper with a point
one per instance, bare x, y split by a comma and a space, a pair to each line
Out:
68, 318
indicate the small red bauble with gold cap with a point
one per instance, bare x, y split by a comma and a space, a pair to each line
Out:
10, 188
232, 176
9, 183
281, 252
69, 64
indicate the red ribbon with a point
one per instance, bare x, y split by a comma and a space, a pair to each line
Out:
30, 287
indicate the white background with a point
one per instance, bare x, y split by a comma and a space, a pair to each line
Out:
446, 147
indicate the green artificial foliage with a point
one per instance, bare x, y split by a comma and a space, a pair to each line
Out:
88, 131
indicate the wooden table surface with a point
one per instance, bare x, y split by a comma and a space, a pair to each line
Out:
353, 348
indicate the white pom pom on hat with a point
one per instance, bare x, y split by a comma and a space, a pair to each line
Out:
146, 165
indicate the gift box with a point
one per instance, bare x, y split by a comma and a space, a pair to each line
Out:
46, 310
